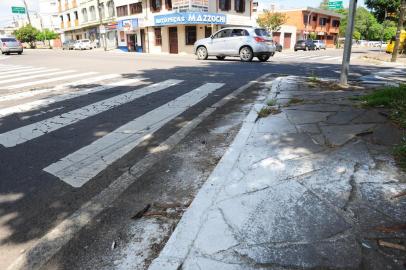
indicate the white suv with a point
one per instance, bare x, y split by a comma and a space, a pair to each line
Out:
245, 42
319, 44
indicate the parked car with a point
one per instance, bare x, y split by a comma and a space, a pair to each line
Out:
10, 45
320, 44
245, 42
305, 45
83, 44
68, 45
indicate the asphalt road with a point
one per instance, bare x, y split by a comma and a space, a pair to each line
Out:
71, 122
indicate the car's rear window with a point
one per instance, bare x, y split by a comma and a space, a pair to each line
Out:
262, 32
8, 40
300, 41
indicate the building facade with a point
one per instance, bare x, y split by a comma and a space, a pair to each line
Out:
311, 22
89, 19
48, 10
165, 26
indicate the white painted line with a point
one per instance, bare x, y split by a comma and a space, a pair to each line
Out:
41, 252
26, 78
50, 80
303, 57
333, 58
320, 57
7, 69
4, 57
25, 72
21, 108
81, 166
26, 94
32, 131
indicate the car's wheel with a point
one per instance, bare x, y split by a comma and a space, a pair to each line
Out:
306, 48
20, 53
246, 54
263, 57
7, 53
202, 53
295, 50
220, 57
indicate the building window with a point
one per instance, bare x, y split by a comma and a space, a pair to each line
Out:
239, 6
68, 16
122, 11
61, 17
168, 4
158, 36
305, 19
191, 35
92, 11
323, 21
135, 8
76, 15
314, 18
84, 14
336, 23
102, 11
110, 8
225, 5
156, 5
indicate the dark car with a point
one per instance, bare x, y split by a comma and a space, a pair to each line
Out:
278, 47
305, 45
68, 45
10, 45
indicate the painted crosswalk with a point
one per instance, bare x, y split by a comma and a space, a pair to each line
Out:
83, 164
310, 57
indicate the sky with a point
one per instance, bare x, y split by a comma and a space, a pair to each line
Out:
6, 17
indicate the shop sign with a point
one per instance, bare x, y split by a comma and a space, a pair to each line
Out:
127, 25
190, 18
320, 33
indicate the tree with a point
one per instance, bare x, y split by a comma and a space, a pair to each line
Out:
324, 4
27, 34
382, 8
272, 21
46, 35
389, 30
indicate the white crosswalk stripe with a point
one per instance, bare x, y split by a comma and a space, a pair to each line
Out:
36, 104
333, 58
61, 78
81, 166
19, 73
25, 78
35, 130
17, 69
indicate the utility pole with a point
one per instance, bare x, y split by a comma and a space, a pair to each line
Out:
101, 26
399, 30
26, 10
345, 67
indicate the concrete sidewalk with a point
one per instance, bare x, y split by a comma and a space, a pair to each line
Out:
311, 187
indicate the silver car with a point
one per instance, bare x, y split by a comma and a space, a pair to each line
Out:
10, 45
245, 42
319, 44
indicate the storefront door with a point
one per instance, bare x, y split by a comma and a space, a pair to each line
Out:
173, 40
131, 42
142, 33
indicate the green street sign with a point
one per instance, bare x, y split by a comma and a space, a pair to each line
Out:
335, 5
18, 10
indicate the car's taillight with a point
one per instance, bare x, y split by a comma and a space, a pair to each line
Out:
259, 39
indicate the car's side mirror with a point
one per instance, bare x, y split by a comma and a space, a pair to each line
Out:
212, 36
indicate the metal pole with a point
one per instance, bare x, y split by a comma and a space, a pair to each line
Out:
399, 30
101, 25
345, 68
28, 14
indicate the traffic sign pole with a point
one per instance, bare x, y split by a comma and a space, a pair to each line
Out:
345, 67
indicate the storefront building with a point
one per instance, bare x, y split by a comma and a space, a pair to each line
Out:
165, 26
83, 19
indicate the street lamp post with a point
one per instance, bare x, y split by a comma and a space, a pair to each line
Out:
345, 67
101, 26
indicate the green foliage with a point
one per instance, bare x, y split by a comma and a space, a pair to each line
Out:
380, 7
46, 34
324, 4
367, 26
272, 20
313, 35
27, 34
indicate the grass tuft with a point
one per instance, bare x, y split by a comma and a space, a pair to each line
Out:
265, 111
394, 99
295, 101
271, 102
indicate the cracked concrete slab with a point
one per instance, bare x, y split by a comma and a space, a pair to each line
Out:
338, 135
306, 117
